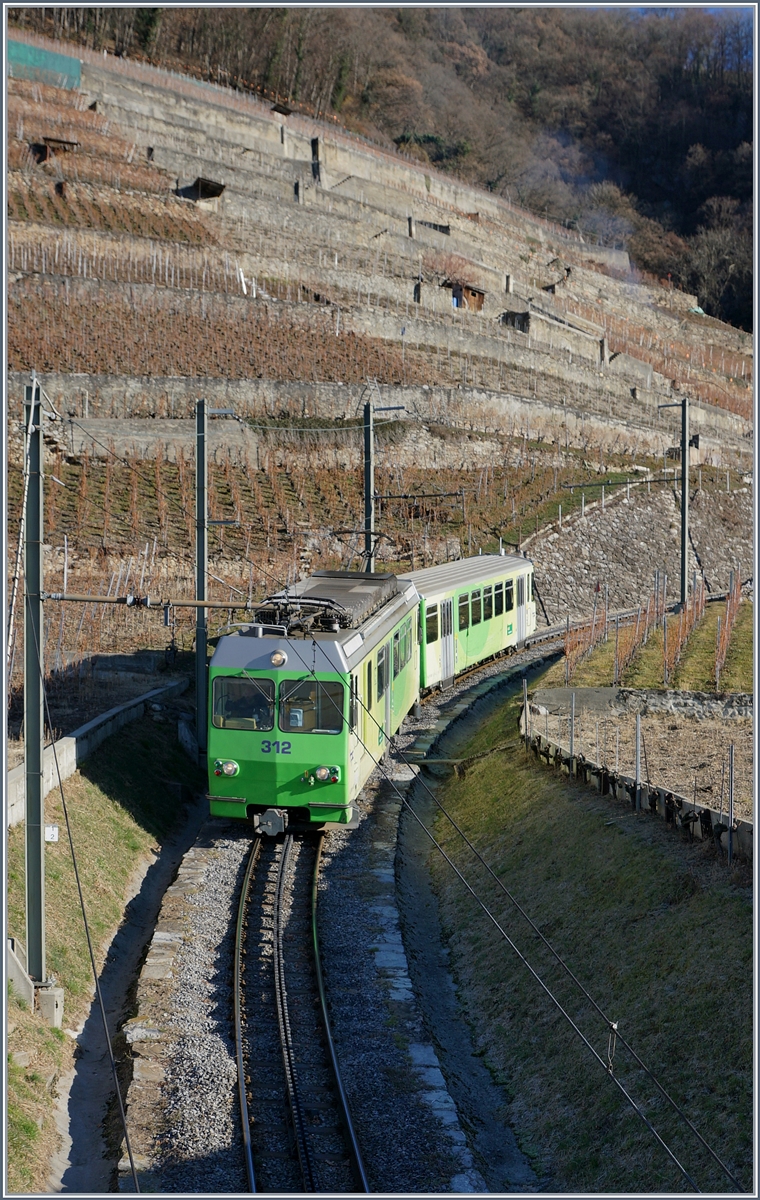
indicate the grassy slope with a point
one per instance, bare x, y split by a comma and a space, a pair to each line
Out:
656, 930
696, 670
737, 673
118, 811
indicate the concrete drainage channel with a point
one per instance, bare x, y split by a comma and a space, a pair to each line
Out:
421, 1100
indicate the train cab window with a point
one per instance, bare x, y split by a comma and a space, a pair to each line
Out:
509, 595
311, 706
464, 611
498, 599
382, 670
242, 702
369, 684
487, 603
530, 586
477, 607
431, 623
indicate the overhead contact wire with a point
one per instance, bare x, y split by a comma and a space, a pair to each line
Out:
556, 955
610, 1024
512, 945
106, 1033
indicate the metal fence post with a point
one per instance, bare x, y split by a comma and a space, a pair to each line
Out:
638, 763
525, 710
572, 728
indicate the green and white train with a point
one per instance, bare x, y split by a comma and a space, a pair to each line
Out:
304, 701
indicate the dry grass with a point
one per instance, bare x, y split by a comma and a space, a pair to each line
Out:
120, 806
686, 756
655, 928
32, 1136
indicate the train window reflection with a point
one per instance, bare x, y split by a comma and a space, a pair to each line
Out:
310, 706
464, 611
242, 702
431, 623
476, 607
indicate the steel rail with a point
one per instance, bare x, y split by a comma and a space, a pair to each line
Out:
353, 1144
308, 1168
237, 990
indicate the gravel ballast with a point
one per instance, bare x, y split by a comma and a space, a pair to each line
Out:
182, 1101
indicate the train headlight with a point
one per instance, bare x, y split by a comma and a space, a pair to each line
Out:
327, 774
225, 767
278, 658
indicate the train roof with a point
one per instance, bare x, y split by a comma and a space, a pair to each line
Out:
464, 572
251, 647
357, 593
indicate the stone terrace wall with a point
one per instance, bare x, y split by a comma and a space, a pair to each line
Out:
115, 399
623, 546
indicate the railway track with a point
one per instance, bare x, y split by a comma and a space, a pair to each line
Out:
297, 1129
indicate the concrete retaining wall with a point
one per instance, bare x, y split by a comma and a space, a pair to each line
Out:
117, 398
74, 749
698, 822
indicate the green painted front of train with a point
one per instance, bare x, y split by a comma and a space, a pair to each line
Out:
290, 751
303, 703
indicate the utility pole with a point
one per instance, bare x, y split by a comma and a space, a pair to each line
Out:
34, 726
369, 478
686, 442
369, 488
202, 414
201, 569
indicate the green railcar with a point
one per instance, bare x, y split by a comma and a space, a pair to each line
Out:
470, 611
303, 702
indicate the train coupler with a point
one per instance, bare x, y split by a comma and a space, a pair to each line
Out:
271, 822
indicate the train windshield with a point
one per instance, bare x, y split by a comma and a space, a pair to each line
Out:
242, 702
308, 706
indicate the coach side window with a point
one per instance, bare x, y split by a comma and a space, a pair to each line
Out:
477, 609
382, 671
530, 586
369, 684
487, 603
402, 647
498, 599
509, 595
464, 611
431, 623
